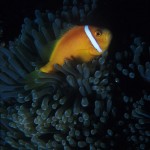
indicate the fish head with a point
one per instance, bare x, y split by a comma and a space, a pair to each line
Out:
102, 39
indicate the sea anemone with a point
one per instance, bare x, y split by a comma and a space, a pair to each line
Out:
102, 104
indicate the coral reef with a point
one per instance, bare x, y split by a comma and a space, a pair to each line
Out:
103, 104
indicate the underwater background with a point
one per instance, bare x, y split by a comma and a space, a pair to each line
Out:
103, 104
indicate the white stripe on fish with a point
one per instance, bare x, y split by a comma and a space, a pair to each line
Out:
91, 38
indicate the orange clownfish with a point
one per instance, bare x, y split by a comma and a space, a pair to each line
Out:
83, 42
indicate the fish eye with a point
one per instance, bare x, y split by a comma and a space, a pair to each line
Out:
98, 33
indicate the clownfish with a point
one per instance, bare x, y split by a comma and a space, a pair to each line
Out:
83, 42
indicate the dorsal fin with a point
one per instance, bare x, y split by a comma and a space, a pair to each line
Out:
65, 30
48, 49
51, 44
